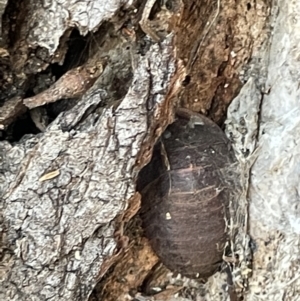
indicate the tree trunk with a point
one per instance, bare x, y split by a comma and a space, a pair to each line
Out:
88, 88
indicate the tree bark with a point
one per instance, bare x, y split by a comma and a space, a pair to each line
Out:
68, 187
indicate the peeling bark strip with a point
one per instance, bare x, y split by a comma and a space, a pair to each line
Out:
72, 84
60, 231
86, 15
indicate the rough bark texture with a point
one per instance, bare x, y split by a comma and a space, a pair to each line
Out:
64, 188
274, 207
61, 230
67, 186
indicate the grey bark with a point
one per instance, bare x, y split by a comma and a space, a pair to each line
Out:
57, 233
54, 18
62, 190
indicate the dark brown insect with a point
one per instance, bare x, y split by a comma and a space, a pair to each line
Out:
185, 192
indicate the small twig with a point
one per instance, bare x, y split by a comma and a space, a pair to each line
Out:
144, 22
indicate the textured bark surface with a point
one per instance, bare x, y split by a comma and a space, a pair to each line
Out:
68, 169
61, 229
64, 188
216, 39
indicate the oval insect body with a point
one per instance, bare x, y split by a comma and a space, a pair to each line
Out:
185, 193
